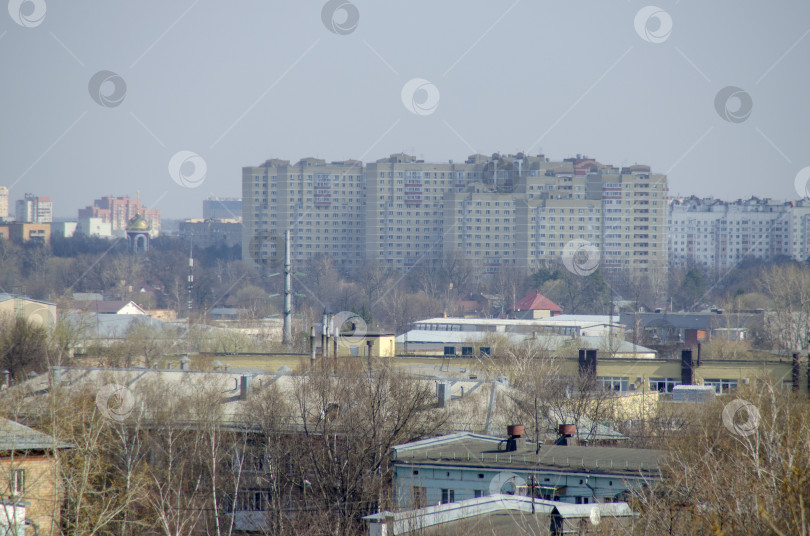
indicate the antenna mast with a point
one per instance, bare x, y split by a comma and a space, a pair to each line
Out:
287, 333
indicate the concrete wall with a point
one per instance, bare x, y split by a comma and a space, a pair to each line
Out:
465, 481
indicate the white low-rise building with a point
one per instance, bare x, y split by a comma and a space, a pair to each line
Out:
570, 325
94, 227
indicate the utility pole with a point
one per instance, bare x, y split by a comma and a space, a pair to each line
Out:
190, 279
190, 288
312, 347
287, 334
335, 336
536, 429
325, 335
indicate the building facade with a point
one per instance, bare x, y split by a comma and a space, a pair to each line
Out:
34, 209
208, 233
462, 466
29, 477
719, 234
222, 208
4, 215
517, 210
64, 229
26, 232
94, 227
117, 211
405, 221
321, 204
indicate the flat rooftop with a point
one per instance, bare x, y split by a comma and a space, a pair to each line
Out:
548, 321
472, 450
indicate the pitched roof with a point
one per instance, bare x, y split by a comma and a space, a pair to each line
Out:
17, 437
5, 296
106, 306
535, 301
110, 326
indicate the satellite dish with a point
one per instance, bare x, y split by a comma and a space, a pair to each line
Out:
596, 515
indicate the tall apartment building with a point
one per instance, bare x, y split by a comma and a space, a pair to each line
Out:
719, 234
321, 204
34, 209
4, 215
620, 213
479, 226
486, 221
513, 210
634, 203
405, 207
222, 208
117, 211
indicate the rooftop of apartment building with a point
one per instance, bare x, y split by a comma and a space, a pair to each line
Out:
212, 220
696, 203
476, 450
579, 165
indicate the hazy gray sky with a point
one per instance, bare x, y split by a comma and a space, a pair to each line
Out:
239, 82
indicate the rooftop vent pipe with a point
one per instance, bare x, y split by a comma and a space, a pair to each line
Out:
566, 432
245, 388
515, 432
442, 394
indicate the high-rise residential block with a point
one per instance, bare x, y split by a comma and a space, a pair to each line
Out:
405, 220
719, 234
516, 210
4, 215
321, 204
34, 209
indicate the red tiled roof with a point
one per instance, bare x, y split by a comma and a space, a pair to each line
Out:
535, 301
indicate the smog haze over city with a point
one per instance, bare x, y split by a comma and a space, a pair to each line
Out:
236, 84
346, 267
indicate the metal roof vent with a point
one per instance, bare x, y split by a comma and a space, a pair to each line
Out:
515, 432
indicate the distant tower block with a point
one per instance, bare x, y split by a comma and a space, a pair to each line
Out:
138, 234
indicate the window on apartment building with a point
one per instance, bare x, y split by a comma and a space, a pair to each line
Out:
448, 496
18, 482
